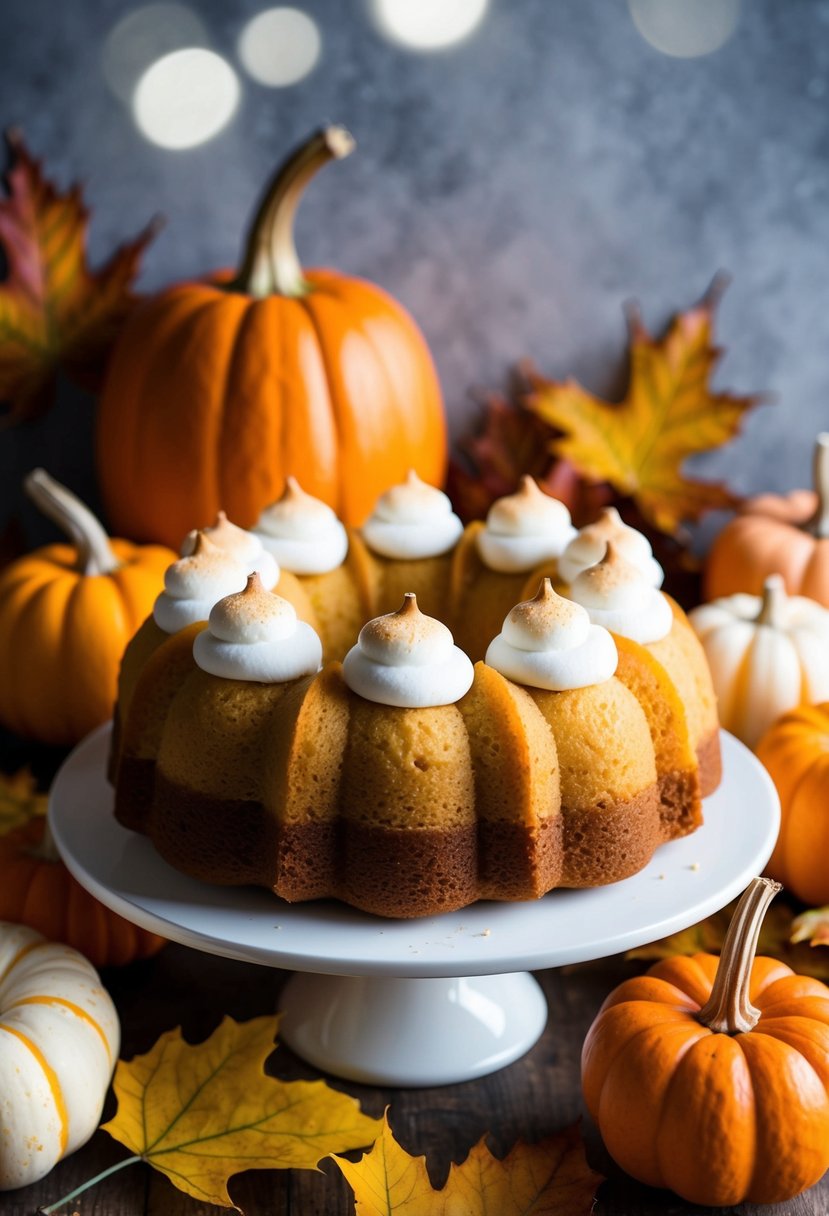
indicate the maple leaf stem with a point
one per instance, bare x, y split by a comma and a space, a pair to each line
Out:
79, 1190
95, 554
271, 264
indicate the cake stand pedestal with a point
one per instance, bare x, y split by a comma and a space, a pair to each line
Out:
419, 1002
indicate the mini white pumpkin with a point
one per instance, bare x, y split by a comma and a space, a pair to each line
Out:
59, 1040
767, 655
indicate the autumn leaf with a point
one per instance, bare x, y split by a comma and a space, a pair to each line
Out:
19, 800
200, 1114
782, 935
54, 311
669, 413
812, 927
551, 1178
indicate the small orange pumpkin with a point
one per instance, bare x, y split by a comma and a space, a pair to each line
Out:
66, 615
711, 1076
37, 890
795, 750
217, 390
776, 534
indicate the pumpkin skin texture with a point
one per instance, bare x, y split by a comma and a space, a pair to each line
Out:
66, 615
776, 534
795, 750
37, 890
59, 1041
218, 390
718, 1117
766, 655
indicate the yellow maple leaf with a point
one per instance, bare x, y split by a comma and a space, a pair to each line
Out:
551, 1178
811, 926
200, 1114
20, 800
668, 414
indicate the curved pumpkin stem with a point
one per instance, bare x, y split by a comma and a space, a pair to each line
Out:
773, 601
819, 523
271, 264
95, 554
728, 1010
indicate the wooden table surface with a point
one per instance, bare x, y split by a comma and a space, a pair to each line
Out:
531, 1098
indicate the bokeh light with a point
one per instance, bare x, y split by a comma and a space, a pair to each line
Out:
428, 25
279, 46
685, 28
185, 98
143, 36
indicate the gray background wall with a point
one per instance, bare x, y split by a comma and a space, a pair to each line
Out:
513, 191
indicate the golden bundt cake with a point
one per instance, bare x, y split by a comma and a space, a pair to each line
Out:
403, 782
668, 674
501, 562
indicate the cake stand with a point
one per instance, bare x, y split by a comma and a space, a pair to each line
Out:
419, 1002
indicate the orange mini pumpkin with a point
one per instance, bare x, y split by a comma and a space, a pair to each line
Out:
795, 750
776, 534
66, 615
37, 890
711, 1076
218, 390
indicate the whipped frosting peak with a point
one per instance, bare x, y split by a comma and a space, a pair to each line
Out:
255, 635
549, 642
588, 547
618, 595
245, 546
412, 520
524, 529
194, 583
301, 532
407, 659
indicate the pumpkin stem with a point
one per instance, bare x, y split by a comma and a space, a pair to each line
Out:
773, 602
95, 554
728, 1010
271, 264
819, 523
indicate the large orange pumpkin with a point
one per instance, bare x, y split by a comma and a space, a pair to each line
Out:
711, 1076
217, 390
795, 750
776, 534
67, 612
37, 890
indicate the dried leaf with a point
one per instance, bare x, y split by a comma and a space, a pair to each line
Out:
551, 1178
200, 1114
812, 927
782, 936
54, 312
669, 414
19, 800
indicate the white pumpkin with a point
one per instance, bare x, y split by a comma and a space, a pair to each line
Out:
767, 654
59, 1041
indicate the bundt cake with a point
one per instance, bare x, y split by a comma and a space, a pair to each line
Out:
404, 781
587, 737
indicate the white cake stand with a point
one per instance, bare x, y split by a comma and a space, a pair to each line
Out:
422, 1002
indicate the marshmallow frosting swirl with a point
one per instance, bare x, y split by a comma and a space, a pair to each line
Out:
618, 596
588, 548
549, 642
255, 635
412, 520
193, 584
302, 533
244, 546
524, 529
409, 660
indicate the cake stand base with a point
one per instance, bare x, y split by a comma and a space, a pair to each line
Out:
382, 1031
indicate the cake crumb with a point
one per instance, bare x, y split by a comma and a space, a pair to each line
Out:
694, 866
484, 933
661, 877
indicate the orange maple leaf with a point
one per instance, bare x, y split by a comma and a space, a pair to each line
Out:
668, 414
551, 1178
54, 311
